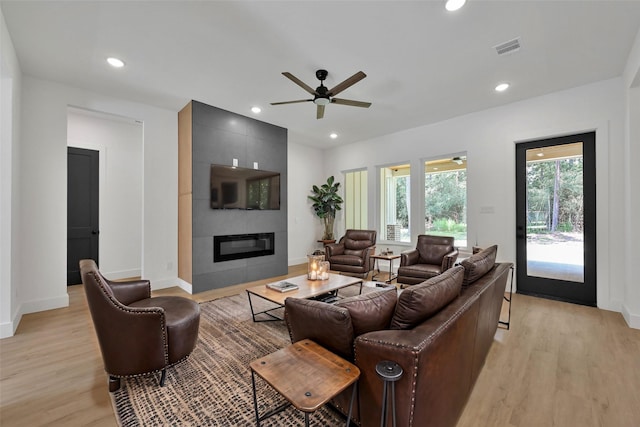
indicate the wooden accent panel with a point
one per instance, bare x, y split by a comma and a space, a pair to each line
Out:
185, 248
185, 169
185, 135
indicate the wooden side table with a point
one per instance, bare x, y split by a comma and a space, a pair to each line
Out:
306, 375
386, 257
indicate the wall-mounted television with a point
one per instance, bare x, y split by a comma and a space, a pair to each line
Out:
242, 188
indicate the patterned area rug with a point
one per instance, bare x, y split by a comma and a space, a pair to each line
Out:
213, 387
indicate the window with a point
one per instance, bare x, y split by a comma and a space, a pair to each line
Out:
396, 203
355, 199
445, 198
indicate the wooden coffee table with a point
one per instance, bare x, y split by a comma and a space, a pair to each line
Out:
306, 375
306, 289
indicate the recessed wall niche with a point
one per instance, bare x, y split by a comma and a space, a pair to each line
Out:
208, 135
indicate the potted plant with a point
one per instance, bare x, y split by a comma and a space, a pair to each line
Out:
326, 201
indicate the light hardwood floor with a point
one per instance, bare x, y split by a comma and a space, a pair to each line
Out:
560, 364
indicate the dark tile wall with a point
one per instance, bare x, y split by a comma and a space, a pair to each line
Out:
220, 136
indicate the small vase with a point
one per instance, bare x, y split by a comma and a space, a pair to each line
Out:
328, 227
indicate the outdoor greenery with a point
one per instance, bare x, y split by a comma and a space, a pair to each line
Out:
402, 211
445, 202
554, 195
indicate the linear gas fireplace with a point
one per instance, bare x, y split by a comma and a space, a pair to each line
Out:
238, 246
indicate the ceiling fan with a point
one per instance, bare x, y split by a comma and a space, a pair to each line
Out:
322, 95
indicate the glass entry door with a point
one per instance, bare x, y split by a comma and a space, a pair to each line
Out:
555, 235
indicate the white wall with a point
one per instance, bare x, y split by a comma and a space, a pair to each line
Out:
10, 83
43, 171
489, 139
305, 168
119, 143
631, 78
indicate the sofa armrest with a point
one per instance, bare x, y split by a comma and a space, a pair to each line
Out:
449, 260
436, 357
130, 291
371, 250
409, 257
334, 249
145, 340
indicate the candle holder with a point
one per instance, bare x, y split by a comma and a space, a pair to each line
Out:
323, 272
313, 266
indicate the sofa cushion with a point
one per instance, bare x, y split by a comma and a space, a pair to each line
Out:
419, 302
326, 324
479, 264
371, 311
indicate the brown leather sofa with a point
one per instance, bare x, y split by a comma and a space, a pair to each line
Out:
138, 334
352, 253
441, 347
433, 255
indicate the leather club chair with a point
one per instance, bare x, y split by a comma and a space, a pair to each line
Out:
433, 255
138, 334
352, 253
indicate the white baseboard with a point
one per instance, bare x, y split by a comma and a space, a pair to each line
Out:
124, 274
35, 306
632, 319
297, 261
185, 286
8, 329
163, 283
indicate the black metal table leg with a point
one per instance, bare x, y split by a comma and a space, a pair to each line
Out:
353, 397
255, 397
508, 322
390, 372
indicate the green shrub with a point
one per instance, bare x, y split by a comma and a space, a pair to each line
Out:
565, 227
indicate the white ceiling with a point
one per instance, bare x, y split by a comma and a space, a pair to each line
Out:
423, 64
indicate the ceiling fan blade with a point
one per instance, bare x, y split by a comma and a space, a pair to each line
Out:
345, 84
291, 102
320, 112
300, 83
350, 102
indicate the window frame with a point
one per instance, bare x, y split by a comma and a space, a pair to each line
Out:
363, 199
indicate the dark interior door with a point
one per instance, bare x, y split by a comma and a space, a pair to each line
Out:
556, 218
82, 210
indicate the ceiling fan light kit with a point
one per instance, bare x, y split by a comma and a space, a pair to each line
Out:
323, 96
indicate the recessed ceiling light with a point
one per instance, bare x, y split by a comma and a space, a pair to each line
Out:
256, 109
115, 62
452, 5
333, 135
502, 87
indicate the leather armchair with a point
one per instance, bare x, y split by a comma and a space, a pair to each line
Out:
352, 254
138, 334
433, 255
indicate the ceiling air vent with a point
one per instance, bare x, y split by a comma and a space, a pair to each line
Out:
508, 47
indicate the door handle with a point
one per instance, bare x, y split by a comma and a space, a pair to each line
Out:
95, 232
